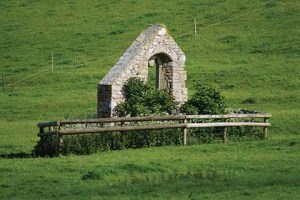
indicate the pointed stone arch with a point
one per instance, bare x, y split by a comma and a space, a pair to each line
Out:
153, 47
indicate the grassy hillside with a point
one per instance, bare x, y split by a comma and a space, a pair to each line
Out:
247, 49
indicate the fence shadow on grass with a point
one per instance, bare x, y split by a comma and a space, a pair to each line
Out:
21, 155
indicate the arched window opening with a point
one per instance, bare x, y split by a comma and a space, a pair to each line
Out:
160, 72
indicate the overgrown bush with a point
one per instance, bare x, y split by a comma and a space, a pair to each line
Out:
141, 100
206, 100
204, 135
47, 146
245, 133
92, 143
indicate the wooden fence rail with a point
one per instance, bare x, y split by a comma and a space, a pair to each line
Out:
121, 124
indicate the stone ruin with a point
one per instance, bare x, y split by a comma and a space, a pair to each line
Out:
154, 47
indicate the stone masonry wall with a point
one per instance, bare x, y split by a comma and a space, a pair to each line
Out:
153, 42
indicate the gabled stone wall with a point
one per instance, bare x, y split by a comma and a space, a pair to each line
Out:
153, 46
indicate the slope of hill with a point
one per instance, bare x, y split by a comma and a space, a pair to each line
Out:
247, 49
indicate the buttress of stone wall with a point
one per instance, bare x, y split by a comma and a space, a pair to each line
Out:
104, 101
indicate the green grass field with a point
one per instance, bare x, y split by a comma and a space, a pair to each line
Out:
247, 170
247, 49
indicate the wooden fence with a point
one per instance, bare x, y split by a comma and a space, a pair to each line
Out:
184, 122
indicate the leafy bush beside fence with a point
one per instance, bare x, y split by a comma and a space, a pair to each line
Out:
92, 143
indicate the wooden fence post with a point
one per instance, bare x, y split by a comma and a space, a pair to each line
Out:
61, 141
225, 135
74, 61
122, 132
184, 131
266, 128
2, 81
195, 26
52, 62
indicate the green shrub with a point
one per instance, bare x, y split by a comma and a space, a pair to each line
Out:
204, 135
98, 142
47, 146
206, 100
244, 133
141, 100
139, 139
91, 143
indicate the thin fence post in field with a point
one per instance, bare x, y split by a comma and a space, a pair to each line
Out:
74, 61
184, 137
2, 80
195, 26
225, 135
52, 59
61, 141
266, 128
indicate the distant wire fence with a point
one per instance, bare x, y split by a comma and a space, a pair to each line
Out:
75, 64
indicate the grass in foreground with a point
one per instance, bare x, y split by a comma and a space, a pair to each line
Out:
265, 169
